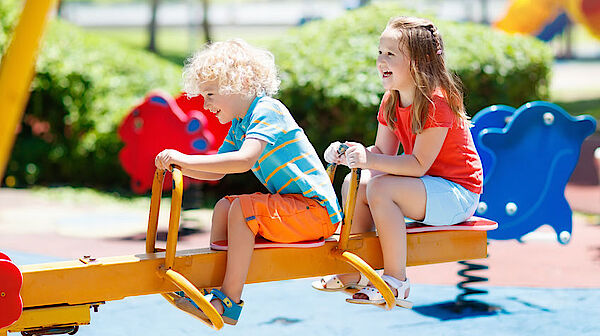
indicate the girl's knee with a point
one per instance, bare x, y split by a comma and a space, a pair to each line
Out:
376, 187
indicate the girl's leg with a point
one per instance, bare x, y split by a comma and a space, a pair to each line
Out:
391, 198
362, 220
239, 254
219, 220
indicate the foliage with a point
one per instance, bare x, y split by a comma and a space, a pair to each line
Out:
330, 83
84, 86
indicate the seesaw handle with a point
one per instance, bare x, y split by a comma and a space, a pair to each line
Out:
157, 184
192, 292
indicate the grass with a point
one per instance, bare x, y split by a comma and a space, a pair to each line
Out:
579, 107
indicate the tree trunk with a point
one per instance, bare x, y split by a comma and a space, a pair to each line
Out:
205, 23
152, 26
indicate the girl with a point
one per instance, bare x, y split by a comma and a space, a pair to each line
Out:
439, 177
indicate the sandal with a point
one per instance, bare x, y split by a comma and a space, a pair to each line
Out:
332, 283
231, 310
375, 297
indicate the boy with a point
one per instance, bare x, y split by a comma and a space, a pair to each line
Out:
236, 81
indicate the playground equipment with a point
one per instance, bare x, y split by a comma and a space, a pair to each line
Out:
547, 18
57, 297
528, 155
160, 122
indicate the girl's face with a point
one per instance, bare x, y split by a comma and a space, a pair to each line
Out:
393, 63
225, 107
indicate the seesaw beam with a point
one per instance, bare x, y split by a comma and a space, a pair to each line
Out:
114, 278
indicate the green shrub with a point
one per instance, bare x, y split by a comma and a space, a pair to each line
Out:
84, 85
331, 85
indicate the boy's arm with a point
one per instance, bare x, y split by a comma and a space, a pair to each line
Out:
238, 161
200, 175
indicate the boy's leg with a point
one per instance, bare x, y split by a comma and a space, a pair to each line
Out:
239, 253
218, 230
395, 197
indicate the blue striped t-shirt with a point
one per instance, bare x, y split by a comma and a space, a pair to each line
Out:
289, 163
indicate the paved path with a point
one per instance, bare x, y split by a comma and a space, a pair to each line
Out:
293, 308
30, 222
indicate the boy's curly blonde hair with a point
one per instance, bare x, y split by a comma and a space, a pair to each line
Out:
238, 68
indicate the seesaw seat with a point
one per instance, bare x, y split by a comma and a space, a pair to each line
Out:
61, 294
472, 224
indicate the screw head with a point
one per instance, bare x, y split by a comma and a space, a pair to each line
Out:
564, 237
511, 208
548, 118
482, 208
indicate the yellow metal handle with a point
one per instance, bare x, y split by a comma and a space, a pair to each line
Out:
176, 197
179, 280
157, 183
370, 273
193, 293
331, 171
349, 209
349, 257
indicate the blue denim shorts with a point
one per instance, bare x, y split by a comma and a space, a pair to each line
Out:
447, 202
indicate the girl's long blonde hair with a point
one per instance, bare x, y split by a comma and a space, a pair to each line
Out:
427, 68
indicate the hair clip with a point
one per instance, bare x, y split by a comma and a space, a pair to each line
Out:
439, 51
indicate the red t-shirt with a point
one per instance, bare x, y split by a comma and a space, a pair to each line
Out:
458, 160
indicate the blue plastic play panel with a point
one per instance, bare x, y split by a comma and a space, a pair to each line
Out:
528, 155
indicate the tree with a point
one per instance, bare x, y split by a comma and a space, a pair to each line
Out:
152, 25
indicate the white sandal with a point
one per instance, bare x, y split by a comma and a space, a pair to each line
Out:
332, 283
375, 297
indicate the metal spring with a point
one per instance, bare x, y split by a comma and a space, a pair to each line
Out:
460, 299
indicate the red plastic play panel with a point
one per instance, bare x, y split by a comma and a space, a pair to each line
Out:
11, 280
163, 122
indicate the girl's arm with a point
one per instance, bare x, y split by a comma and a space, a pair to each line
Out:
226, 163
386, 141
427, 148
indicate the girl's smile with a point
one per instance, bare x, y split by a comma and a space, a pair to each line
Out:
393, 63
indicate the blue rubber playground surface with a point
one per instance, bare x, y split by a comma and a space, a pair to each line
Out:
294, 308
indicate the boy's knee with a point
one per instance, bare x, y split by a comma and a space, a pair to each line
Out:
222, 204
235, 209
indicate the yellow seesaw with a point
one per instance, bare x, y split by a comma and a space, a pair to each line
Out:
57, 297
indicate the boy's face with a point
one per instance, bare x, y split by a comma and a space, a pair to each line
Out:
225, 107
393, 63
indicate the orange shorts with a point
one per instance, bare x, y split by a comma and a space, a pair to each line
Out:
285, 218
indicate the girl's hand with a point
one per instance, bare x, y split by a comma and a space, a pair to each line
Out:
357, 155
168, 157
331, 154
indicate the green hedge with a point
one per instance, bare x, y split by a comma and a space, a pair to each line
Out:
331, 85
84, 86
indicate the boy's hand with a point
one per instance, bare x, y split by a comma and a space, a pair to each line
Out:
331, 154
168, 157
356, 155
